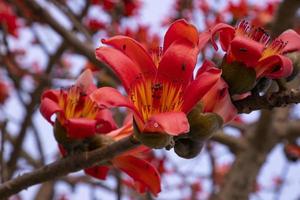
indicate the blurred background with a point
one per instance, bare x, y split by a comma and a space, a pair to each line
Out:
47, 44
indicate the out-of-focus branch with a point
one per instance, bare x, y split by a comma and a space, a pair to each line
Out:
80, 46
285, 16
73, 181
67, 165
234, 144
46, 191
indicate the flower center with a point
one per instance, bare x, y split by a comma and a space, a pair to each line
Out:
76, 104
152, 97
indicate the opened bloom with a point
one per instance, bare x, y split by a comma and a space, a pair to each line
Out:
75, 110
160, 86
253, 48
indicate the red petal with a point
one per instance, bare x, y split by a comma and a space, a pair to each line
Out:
124, 67
105, 121
78, 128
49, 107
107, 97
85, 81
122, 132
293, 40
218, 100
246, 50
99, 172
140, 170
51, 94
199, 87
226, 33
266, 67
225, 108
172, 123
178, 62
134, 51
180, 30
203, 39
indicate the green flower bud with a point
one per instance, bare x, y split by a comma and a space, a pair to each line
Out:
153, 140
240, 78
187, 148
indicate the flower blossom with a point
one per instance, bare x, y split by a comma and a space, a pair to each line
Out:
160, 86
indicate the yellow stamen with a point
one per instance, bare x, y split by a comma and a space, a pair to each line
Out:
152, 97
76, 104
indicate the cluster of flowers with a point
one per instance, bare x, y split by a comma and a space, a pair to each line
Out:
171, 108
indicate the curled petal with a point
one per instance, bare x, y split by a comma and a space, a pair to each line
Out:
99, 172
293, 40
274, 67
246, 50
206, 65
172, 123
203, 39
78, 128
180, 30
141, 171
124, 67
218, 100
199, 87
85, 81
178, 62
134, 51
226, 33
107, 97
49, 107
51, 94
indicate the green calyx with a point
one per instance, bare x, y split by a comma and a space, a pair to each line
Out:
239, 78
203, 125
154, 140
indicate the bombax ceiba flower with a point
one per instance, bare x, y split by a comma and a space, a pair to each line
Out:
251, 54
160, 86
81, 125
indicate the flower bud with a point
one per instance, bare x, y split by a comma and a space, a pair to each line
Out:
187, 148
154, 140
240, 78
203, 125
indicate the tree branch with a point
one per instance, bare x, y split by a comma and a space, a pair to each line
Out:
67, 165
277, 99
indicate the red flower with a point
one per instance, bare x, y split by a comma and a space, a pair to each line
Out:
253, 48
217, 99
239, 10
76, 111
4, 92
145, 175
8, 18
161, 87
